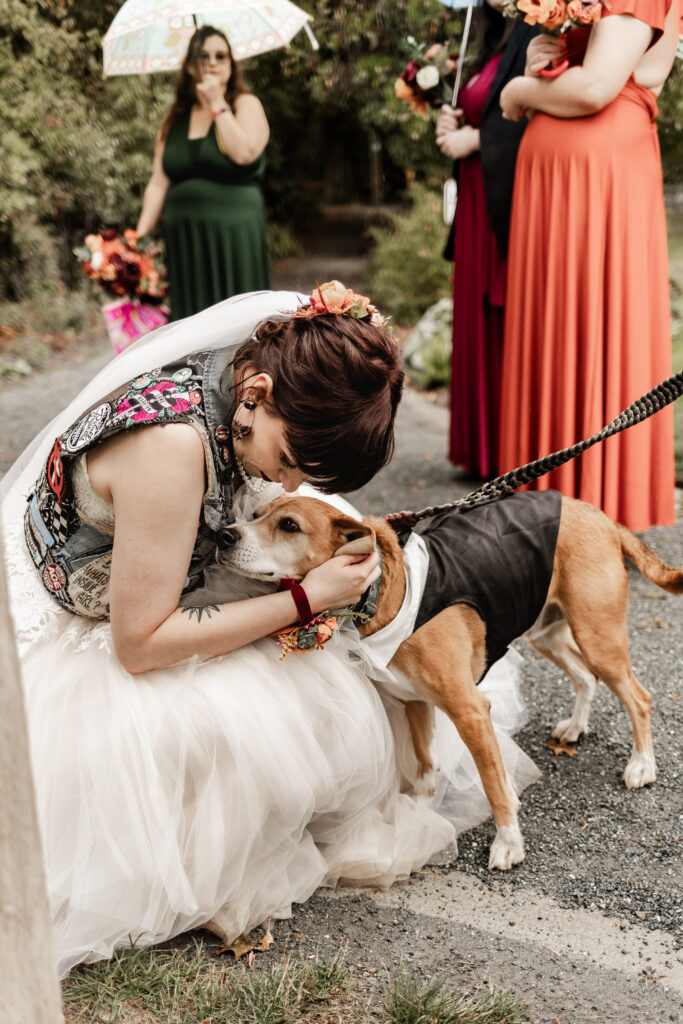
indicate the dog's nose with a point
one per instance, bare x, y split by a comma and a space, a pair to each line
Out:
227, 537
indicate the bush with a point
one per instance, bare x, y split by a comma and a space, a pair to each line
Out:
407, 271
428, 350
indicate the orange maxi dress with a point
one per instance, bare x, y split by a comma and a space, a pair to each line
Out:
587, 320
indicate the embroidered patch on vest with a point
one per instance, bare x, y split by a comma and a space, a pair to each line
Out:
55, 471
88, 429
54, 577
162, 398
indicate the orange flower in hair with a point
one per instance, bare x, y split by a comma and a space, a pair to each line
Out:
335, 297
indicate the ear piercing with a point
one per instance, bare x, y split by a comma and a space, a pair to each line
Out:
242, 430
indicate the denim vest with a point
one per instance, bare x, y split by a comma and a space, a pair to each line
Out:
73, 556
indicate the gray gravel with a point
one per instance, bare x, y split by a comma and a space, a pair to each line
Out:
595, 850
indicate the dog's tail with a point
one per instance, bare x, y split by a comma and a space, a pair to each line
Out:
650, 564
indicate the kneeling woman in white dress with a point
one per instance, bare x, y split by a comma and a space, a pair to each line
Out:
184, 774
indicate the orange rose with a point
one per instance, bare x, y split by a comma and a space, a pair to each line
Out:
585, 15
550, 14
403, 92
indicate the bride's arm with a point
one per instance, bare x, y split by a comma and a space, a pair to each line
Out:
157, 490
615, 46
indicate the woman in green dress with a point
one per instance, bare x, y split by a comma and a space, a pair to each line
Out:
208, 164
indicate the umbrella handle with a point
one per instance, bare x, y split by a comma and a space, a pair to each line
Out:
311, 38
463, 50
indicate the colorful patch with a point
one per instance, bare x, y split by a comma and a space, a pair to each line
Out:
182, 376
89, 587
163, 398
54, 577
55, 471
222, 433
56, 517
88, 429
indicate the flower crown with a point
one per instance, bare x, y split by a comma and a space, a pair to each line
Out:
334, 297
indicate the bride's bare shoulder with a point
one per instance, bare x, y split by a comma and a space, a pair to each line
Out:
146, 453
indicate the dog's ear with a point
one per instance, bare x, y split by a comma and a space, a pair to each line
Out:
355, 538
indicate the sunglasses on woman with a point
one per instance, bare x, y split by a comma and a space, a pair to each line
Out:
221, 59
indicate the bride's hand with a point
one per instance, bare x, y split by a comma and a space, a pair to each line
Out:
542, 51
341, 581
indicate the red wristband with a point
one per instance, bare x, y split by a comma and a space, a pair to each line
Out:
300, 600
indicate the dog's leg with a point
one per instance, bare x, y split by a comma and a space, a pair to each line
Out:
443, 659
606, 651
420, 717
555, 641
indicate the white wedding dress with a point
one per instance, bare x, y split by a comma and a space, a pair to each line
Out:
228, 787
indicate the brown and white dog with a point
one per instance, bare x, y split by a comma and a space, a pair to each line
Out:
581, 628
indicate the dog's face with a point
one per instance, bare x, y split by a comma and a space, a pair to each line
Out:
289, 537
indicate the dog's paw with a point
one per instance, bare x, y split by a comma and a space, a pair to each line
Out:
424, 789
568, 731
507, 848
640, 771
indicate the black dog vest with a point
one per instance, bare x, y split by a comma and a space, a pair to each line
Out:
497, 558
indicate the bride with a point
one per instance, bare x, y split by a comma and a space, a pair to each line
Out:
184, 774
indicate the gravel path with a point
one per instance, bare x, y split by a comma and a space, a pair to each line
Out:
589, 928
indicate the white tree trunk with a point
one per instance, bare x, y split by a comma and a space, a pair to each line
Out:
29, 989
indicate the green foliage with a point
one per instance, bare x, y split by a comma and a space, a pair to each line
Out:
670, 124
406, 270
428, 349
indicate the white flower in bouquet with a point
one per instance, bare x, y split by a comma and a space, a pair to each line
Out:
96, 260
427, 77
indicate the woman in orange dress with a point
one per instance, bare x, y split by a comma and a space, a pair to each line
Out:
587, 318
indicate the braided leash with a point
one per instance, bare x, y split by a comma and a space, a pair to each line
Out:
660, 396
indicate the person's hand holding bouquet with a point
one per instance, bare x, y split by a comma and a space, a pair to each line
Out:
124, 269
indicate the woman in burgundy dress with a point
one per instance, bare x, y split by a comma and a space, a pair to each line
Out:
484, 147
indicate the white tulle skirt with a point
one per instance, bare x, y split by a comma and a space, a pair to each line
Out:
229, 787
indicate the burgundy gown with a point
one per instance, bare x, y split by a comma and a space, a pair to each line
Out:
478, 299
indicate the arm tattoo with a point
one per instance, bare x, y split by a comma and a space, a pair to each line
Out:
203, 610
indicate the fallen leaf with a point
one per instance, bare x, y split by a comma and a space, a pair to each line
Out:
641, 914
239, 948
674, 696
251, 956
561, 747
267, 939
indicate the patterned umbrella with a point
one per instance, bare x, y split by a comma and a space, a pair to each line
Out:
152, 35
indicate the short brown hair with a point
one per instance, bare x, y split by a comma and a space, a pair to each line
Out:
337, 382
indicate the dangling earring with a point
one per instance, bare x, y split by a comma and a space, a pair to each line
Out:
242, 430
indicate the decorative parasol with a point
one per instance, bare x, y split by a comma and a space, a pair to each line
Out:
152, 35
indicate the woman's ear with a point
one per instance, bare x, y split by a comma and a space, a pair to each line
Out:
356, 538
261, 384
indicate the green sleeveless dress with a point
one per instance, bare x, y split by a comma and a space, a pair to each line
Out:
213, 223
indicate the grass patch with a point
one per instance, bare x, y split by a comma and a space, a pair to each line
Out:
411, 1000
37, 332
190, 984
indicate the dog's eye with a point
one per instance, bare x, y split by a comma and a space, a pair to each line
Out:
288, 525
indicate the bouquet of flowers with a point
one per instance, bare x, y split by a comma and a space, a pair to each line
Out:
556, 16
427, 79
131, 274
